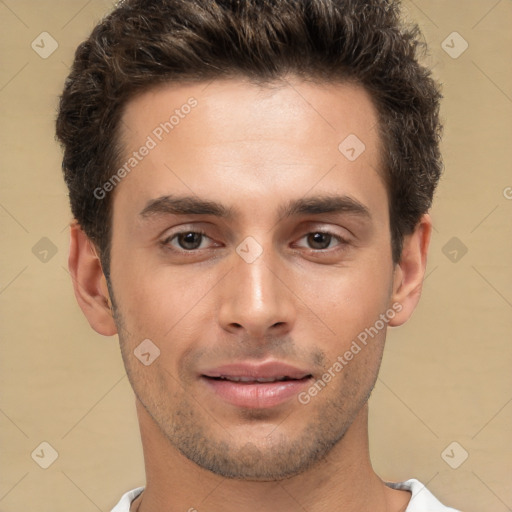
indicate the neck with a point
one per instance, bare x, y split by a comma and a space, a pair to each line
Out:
343, 481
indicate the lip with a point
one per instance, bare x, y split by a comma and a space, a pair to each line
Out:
266, 370
256, 395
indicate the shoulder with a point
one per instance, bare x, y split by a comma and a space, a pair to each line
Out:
126, 500
422, 499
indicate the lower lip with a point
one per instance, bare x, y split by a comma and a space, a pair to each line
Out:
256, 395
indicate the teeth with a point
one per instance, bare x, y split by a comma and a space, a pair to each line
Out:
252, 379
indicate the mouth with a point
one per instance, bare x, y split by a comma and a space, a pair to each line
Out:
256, 386
253, 380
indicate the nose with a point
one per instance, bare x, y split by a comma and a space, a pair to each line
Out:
256, 300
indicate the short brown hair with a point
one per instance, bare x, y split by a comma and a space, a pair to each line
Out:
143, 43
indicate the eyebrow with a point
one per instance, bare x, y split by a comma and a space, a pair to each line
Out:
314, 205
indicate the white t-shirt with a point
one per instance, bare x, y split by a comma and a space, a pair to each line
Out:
422, 499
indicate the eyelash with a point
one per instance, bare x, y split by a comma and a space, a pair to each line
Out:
166, 242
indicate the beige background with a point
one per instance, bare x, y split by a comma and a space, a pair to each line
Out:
446, 375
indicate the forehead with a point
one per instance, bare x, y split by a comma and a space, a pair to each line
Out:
237, 142
304, 107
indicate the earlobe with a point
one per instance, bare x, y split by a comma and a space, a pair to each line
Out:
410, 271
89, 282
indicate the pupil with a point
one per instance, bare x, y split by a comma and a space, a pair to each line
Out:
319, 240
190, 240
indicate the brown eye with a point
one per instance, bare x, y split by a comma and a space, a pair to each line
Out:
323, 240
189, 241
186, 240
319, 240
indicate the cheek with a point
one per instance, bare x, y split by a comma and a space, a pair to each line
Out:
173, 307
349, 298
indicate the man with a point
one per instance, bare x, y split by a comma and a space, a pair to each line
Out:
250, 181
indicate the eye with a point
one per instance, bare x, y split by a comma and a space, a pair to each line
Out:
321, 240
186, 240
193, 240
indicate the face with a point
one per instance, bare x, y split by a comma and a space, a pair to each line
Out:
249, 244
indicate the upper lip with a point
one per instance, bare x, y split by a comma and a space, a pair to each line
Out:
266, 370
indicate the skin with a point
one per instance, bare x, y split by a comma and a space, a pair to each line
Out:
253, 149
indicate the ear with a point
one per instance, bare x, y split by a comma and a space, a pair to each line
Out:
410, 271
89, 282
